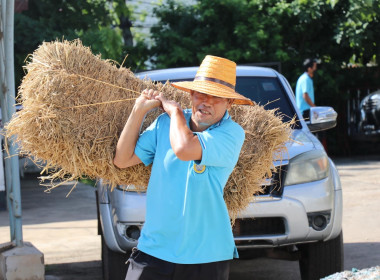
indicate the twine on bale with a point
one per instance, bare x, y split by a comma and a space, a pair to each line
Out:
72, 123
100, 103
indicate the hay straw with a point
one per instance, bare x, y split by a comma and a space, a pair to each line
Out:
75, 106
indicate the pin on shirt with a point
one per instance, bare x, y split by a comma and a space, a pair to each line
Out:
199, 168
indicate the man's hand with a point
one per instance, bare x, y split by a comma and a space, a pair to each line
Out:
125, 149
184, 143
169, 106
147, 100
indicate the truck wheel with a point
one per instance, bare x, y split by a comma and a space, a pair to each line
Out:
113, 263
321, 259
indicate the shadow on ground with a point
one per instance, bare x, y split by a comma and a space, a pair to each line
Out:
356, 256
361, 255
70, 271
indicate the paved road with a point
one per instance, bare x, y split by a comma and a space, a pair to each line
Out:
65, 229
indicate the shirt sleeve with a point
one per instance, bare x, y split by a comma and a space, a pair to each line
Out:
304, 87
146, 144
310, 90
221, 145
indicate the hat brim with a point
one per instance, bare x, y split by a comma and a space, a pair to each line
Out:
214, 89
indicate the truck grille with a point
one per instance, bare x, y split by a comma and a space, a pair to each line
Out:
259, 226
275, 185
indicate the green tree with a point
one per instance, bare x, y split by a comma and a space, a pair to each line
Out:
102, 25
244, 31
359, 31
250, 31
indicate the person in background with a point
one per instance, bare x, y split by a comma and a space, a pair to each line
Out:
305, 88
187, 233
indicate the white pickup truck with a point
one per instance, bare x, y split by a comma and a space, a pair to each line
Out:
298, 217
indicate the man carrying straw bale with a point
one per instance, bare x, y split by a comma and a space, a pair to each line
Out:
187, 232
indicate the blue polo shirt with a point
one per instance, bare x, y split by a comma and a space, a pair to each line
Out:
187, 219
304, 84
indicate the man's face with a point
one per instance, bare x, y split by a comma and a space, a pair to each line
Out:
311, 70
207, 110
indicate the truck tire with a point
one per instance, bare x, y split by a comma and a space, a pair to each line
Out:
321, 259
113, 263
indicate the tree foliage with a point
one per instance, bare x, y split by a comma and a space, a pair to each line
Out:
251, 31
359, 30
244, 31
103, 25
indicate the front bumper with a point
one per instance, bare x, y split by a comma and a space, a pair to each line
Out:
119, 210
294, 209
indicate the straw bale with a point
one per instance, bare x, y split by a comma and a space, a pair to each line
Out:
75, 106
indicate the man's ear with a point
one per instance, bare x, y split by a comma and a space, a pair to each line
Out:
191, 92
230, 102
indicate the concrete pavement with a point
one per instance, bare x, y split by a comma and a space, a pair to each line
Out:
65, 229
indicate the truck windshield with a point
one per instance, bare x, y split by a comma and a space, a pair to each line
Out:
268, 92
265, 91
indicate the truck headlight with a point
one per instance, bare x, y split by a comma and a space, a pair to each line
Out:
307, 167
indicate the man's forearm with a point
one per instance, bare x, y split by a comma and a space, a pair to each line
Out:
125, 148
179, 131
184, 143
308, 99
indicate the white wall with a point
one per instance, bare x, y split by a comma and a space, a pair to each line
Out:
143, 18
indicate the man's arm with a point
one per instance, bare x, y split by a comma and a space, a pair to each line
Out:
125, 150
184, 143
308, 99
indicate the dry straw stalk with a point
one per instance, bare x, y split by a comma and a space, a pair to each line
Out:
75, 105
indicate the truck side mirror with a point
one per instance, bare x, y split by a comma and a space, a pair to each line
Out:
321, 118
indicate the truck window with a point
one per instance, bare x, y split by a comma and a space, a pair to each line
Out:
266, 91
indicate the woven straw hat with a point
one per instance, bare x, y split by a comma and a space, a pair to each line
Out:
216, 76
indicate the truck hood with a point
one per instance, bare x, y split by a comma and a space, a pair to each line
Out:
301, 142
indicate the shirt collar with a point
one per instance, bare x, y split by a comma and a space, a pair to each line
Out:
225, 117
